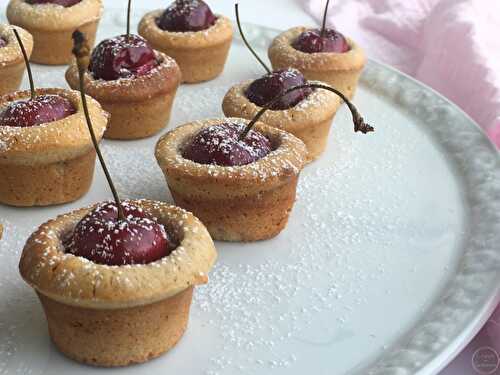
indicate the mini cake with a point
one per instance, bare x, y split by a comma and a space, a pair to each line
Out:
117, 292
51, 22
46, 156
304, 112
189, 32
339, 69
11, 59
309, 119
134, 83
322, 55
241, 189
116, 279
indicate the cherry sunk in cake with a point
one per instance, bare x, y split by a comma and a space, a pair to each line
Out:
124, 56
64, 3
186, 15
103, 238
40, 110
263, 90
314, 41
220, 144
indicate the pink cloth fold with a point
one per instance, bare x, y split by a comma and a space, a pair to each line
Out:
450, 45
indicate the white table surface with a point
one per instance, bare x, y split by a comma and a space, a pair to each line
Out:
279, 14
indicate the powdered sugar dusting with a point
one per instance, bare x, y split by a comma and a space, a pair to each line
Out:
287, 156
105, 239
360, 238
21, 316
149, 26
9, 135
321, 103
182, 7
186, 15
44, 109
316, 281
163, 62
67, 136
219, 144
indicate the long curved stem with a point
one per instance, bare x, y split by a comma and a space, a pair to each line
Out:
82, 51
26, 61
359, 123
246, 42
323, 26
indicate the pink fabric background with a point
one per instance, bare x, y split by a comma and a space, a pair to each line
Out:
452, 46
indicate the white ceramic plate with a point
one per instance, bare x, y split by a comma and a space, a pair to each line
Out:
389, 264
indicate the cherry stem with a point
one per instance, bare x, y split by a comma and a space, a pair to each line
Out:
359, 124
26, 61
246, 42
81, 51
128, 17
323, 27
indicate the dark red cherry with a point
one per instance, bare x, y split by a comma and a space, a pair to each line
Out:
3, 42
311, 41
122, 57
32, 112
64, 3
109, 211
219, 145
263, 90
104, 239
186, 15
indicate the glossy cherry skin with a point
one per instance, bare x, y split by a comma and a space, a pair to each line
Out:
122, 57
41, 110
109, 211
3, 42
186, 15
263, 90
101, 238
311, 41
219, 145
64, 3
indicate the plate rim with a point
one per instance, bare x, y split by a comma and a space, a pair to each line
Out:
435, 365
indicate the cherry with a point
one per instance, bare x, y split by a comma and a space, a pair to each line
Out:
3, 42
220, 145
36, 110
104, 239
109, 211
186, 15
122, 57
263, 90
64, 3
32, 112
311, 41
